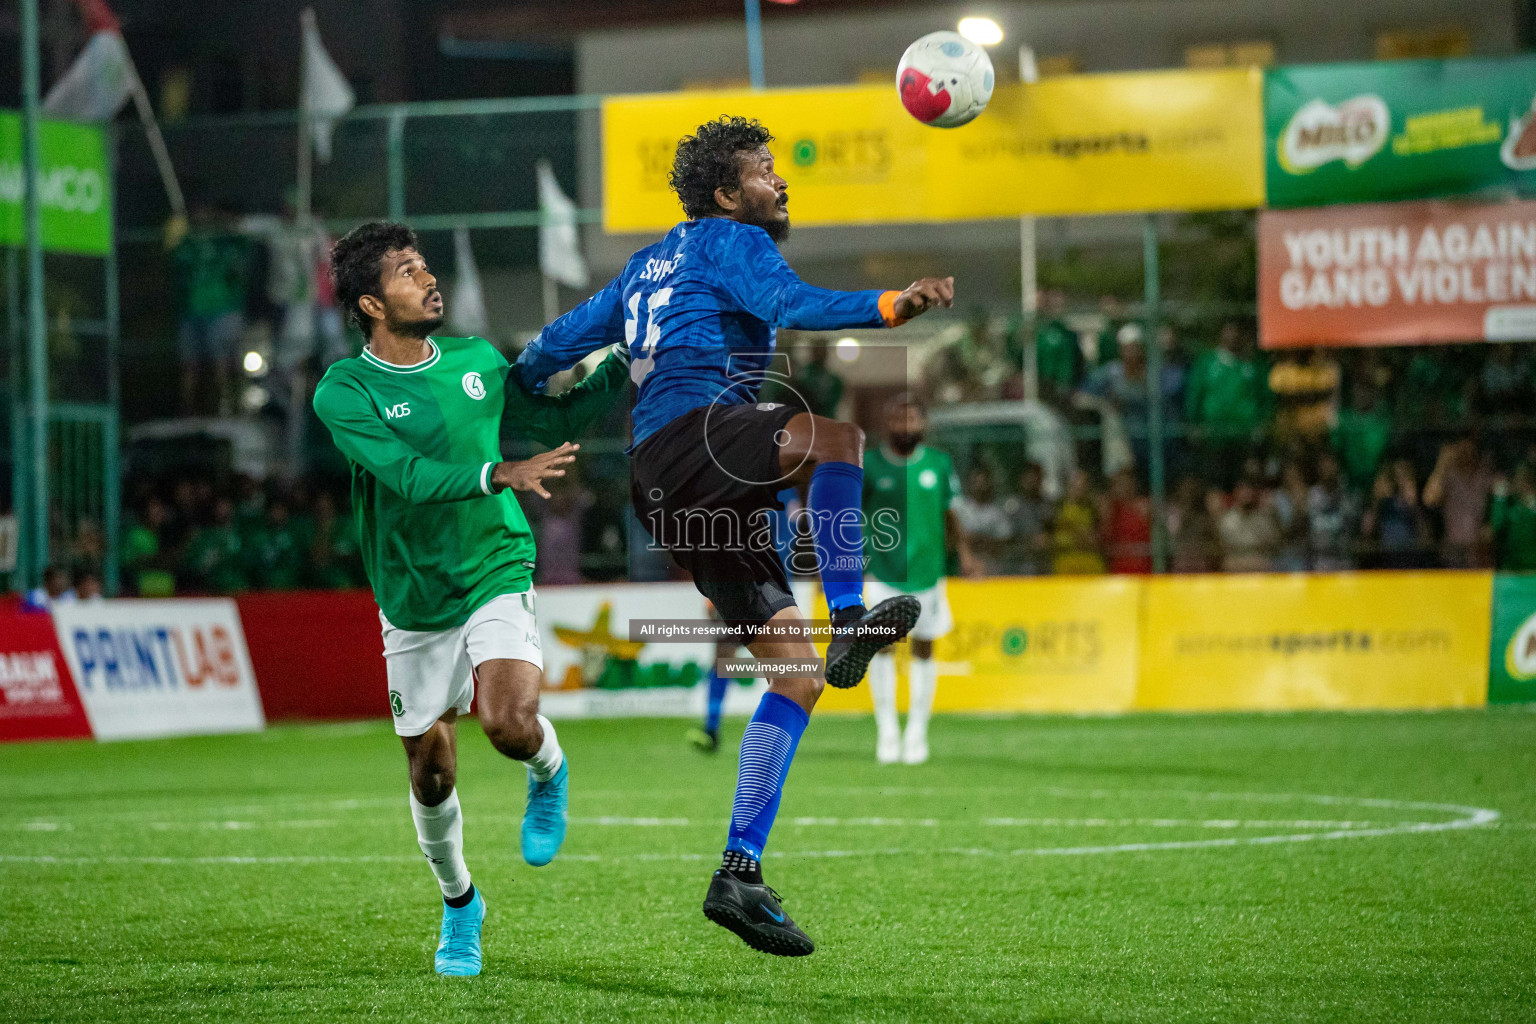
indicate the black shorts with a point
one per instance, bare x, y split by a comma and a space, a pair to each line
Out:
705, 486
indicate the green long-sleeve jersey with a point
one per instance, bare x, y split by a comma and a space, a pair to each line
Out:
437, 541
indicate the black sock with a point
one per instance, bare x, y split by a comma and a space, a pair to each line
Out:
743, 866
461, 900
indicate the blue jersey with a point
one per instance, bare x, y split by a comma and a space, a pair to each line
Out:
699, 311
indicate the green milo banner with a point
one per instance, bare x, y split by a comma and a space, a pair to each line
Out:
1391, 130
1512, 658
76, 186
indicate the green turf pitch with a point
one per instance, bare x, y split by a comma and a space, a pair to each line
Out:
1143, 868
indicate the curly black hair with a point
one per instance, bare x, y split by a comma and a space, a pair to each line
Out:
357, 265
708, 159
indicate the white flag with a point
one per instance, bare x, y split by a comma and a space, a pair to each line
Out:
559, 244
467, 308
325, 90
97, 85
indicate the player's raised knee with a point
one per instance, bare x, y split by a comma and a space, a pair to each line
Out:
516, 735
839, 442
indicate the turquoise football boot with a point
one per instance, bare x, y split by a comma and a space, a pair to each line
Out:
544, 818
458, 947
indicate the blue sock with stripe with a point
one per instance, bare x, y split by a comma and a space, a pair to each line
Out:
837, 527
767, 748
716, 701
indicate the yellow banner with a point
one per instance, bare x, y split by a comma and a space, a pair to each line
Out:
1162, 140
1055, 644
1365, 640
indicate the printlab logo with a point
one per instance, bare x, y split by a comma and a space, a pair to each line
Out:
1520, 655
1320, 133
474, 387
396, 704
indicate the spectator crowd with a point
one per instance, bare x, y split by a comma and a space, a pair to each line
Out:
1323, 460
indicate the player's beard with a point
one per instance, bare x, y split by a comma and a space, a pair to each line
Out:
777, 228
905, 444
418, 329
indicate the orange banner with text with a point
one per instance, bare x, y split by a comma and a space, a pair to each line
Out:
1397, 274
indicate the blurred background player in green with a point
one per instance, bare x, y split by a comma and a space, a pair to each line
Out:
908, 488
446, 546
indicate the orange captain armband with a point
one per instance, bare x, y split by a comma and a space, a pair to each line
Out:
888, 309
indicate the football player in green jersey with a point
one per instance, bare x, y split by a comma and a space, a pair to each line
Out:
908, 488
446, 548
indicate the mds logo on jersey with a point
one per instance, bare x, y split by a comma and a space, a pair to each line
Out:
398, 411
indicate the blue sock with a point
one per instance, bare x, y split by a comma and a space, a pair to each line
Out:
767, 747
717, 685
837, 493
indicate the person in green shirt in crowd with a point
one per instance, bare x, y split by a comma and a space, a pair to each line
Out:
215, 555
1514, 521
1433, 390
1226, 402
1058, 356
1362, 434
144, 570
210, 268
275, 550
335, 561
1113, 312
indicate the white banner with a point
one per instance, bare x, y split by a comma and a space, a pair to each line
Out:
584, 634
160, 668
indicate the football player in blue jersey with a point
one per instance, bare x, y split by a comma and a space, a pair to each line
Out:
699, 311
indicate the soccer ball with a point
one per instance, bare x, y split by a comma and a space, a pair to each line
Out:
944, 79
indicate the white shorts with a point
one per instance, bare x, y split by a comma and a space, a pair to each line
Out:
934, 621
433, 672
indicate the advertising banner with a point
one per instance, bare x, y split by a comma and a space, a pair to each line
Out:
37, 698
1387, 130
1040, 644
76, 186
1351, 640
584, 635
1397, 274
160, 668
1512, 654
1163, 140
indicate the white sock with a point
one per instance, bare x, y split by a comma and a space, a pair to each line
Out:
922, 678
440, 831
547, 761
882, 687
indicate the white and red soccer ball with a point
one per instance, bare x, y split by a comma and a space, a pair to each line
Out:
944, 79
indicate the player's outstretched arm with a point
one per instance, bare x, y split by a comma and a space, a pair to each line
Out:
919, 297
550, 419
571, 338
362, 437
530, 474
758, 279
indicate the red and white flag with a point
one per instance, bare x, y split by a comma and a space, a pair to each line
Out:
100, 81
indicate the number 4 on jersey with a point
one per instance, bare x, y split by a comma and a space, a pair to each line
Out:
644, 360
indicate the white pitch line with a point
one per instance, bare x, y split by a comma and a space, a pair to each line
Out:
1470, 818
803, 822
